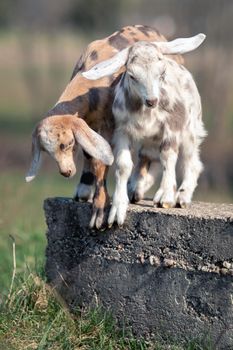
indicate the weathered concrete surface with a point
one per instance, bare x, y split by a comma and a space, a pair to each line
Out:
167, 273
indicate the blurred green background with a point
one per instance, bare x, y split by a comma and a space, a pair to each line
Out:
40, 43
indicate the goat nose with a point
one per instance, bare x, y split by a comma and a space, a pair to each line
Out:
66, 173
152, 103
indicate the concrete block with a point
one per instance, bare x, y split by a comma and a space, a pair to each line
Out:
167, 273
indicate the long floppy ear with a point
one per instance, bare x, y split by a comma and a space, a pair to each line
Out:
182, 45
35, 162
91, 142
107, 67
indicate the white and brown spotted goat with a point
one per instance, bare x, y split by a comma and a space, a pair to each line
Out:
157, 106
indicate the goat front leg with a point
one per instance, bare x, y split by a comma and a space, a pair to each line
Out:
101, 197
124, 167
166, 195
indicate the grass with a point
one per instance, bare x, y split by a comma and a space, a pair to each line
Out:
34, 317
21, 215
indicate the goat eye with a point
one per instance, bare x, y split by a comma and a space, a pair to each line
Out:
132, 77
62, 146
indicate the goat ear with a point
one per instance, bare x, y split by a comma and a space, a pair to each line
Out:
181, 45
35, 162
107, 67
91, 142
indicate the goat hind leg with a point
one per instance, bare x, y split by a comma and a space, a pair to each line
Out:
166, 194
143, 177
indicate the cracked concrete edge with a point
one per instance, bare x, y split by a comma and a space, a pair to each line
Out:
201, 210
178, 240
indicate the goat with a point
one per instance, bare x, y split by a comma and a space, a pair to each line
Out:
86, 104
157, 106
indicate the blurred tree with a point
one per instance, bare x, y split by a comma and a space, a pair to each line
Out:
40, 15
6, 7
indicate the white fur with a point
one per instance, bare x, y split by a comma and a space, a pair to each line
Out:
107, 67
142, 126
181, 45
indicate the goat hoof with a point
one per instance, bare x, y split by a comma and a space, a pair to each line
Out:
184, 205
135, 198
167, 205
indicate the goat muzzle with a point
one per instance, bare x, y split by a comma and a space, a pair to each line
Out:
152, 103
66, 173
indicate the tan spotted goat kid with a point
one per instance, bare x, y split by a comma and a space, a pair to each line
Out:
157, 107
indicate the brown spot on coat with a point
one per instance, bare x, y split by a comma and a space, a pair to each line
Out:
164, 103
163, 100
132, 103
146, 30
94, 55
94, 99
177, 116
143, 165
132, 33
168, 144
118, 41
